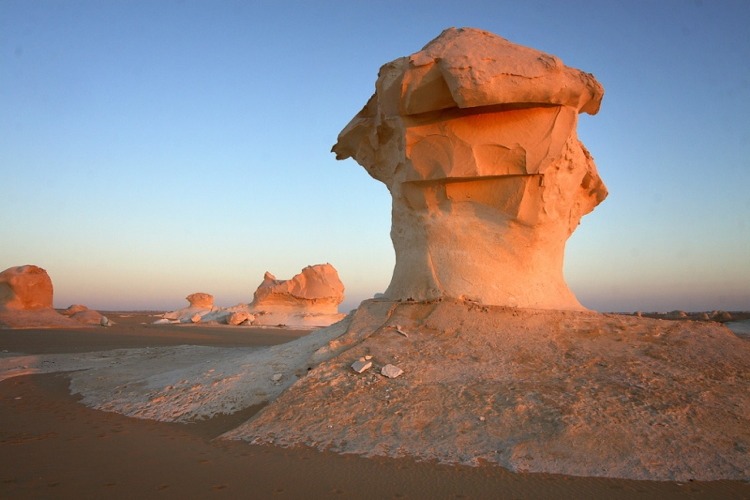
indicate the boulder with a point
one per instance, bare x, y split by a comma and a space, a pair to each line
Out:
89, 317
475, 138
25, 288
26, 302
237, 318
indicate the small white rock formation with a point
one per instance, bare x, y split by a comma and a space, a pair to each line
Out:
311, 298
200, 306
475, 138
201, 300
26, 294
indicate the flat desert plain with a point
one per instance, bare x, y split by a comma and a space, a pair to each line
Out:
52, 446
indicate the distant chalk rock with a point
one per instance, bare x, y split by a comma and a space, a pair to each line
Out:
237, 318
310, 298
201, 300
200, 309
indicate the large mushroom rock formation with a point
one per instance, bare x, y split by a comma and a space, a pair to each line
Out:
475, 138
310, 298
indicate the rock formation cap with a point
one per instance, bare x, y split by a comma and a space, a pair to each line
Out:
469, 67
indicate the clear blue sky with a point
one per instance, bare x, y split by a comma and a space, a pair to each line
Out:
151, 149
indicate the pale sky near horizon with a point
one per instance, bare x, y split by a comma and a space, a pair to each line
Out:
149, 150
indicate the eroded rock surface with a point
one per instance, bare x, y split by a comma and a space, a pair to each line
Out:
200, 308
26, 294
309, 298
564, 392
475, 138
25, 288
200, 300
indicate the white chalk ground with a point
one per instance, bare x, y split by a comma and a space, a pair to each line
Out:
572, 393
177, 384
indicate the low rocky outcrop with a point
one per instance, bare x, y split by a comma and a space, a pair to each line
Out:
87, 316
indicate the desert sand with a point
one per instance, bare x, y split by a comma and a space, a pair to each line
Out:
54, 446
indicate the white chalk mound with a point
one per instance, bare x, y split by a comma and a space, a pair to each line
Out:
574, 393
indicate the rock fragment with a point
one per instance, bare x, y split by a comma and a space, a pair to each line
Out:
391, 371
361, 365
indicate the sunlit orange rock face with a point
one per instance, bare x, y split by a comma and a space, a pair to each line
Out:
317, 289
25, 288
475, 138
200, 300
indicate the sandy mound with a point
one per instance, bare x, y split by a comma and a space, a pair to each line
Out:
573, 393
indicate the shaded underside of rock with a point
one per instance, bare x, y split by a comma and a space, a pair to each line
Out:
541, 391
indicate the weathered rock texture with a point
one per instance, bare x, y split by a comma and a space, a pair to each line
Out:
26, 294
25, 288
475, 138
201, 300
310, 299
83, 314
317, 288
564, 392
201, 305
